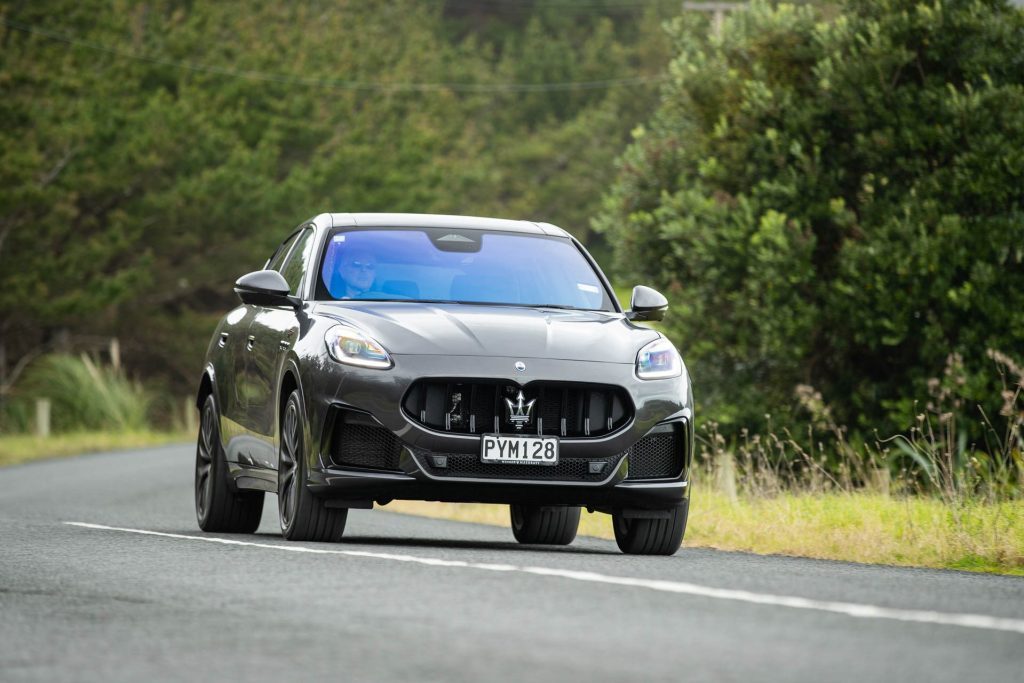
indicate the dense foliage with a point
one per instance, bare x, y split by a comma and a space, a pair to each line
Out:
153, 151
837, 204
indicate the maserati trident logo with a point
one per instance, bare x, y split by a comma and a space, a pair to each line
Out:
519, 412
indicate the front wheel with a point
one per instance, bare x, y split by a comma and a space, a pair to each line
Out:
304, 517
218, 508
651, 536
545, 525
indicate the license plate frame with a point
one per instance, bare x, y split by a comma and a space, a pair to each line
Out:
516, 449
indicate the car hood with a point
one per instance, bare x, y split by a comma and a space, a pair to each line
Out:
480, 330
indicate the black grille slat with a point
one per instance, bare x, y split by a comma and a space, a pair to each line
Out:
550, 410
482, 407
560, 409
574, 412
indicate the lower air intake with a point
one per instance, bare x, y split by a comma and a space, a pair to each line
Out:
659, 455
462, 465
358, 441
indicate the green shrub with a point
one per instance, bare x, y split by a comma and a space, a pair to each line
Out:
835, 203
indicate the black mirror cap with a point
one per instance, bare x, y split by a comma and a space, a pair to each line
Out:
264, 288
647, 304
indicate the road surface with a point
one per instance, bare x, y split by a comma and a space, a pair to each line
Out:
104, 576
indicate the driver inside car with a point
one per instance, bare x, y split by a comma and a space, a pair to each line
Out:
358, 270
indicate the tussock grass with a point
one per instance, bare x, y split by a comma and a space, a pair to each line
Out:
95, 408
858, 527
85, 396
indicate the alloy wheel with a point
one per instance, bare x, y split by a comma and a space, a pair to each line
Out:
204, 461
287, 481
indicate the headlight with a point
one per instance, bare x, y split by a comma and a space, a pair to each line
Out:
349, 345
658, 360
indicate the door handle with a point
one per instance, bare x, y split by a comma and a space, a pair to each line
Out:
223, 339
252, 342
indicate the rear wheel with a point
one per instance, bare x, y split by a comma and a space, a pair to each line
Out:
218, 508
545, 525
304, 517
651, 536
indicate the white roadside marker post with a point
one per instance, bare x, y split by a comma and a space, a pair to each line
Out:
43, 417
190, 416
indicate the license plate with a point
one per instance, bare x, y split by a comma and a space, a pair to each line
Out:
523, 450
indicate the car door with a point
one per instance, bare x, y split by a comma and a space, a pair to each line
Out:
229, 368
272, 332
240, 390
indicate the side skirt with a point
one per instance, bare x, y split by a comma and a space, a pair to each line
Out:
253, 478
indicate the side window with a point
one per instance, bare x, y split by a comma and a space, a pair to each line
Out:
295, 267
278, 258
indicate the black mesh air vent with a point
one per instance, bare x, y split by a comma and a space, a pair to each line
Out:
659, 455
567, 469
482, 407
358, 441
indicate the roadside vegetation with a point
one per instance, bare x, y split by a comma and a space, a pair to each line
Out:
87, 407
929, 497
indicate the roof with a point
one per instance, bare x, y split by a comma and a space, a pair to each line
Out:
432, 220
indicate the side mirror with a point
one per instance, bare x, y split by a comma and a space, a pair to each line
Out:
264, 288
646, 304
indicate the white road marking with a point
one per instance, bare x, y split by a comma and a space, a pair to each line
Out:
850, 609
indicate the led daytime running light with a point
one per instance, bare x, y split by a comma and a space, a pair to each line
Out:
348, 345
658, 360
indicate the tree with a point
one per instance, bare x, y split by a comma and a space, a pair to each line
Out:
834, 202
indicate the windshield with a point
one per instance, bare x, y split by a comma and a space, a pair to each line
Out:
458, 265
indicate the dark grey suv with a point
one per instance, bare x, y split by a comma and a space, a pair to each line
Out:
449, 358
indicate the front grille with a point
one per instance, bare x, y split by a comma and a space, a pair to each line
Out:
358, 441
659, 455
567, 469
482, 406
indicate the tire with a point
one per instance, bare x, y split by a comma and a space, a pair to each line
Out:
651, 536
303, 516
544, 525
218, 507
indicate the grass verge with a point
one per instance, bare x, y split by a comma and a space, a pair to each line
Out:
859, 527
15, 448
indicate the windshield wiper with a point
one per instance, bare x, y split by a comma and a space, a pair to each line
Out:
561, 307
558, 306
403, 301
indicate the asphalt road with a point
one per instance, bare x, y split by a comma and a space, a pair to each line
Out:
406, 598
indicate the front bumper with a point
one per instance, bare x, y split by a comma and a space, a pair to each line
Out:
378, 394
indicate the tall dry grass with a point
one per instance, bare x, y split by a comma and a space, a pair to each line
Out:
930, 497
934, 458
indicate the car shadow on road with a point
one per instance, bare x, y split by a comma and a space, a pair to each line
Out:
452, 544
474, 545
